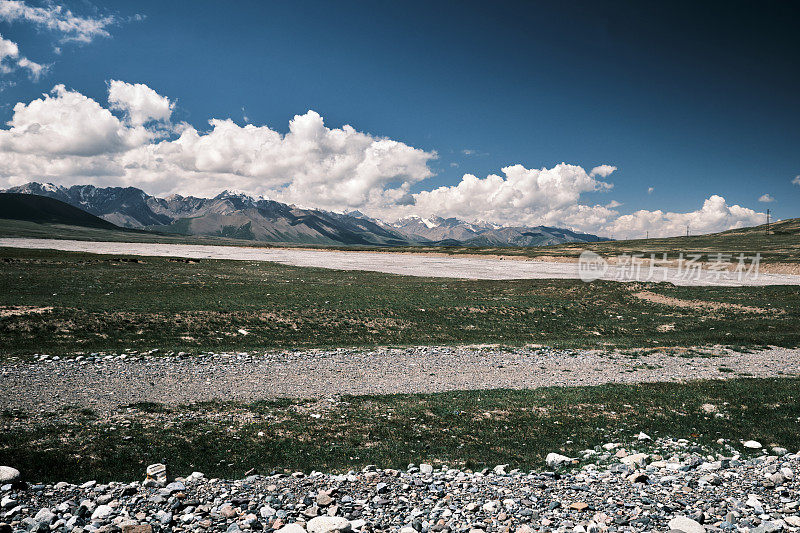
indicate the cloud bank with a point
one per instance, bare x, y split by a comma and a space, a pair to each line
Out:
67, 138
57, 19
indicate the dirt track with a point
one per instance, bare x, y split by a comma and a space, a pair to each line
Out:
405, 264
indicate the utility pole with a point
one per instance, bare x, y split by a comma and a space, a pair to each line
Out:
767, 221
648, 235
687, 230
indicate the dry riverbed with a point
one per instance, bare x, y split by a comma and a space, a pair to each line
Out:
105, 382
426, 265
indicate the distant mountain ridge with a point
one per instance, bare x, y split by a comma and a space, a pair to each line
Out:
238, 215
41, 209
453, 230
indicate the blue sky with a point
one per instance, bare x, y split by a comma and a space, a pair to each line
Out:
691, 101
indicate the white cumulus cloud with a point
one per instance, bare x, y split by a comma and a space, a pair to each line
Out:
603, 171
766, 198
67, 138
140, 103
796, 180
65, 123
715, 215
522, 196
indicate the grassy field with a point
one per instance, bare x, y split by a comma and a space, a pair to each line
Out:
465, 429
34, 230
61, 302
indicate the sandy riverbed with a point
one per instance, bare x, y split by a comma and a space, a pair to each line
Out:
405, 264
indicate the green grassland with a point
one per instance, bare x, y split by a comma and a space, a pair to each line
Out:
61, 302
35, 230
469, 429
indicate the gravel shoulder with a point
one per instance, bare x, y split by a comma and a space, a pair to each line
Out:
426, 265
674, 488
105, 382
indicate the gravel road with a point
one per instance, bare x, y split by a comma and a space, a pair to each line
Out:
428, 265
106, 383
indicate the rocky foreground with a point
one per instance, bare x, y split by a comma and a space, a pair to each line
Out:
609, 489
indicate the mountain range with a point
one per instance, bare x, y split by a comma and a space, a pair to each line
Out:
238, 215
446, 231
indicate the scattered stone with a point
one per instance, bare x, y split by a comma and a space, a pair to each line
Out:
792, 520
686, 524
8, 474
637, 460
228, 511
101, 512
157, 472
137, 528
292, 528
680, 486
500, 469
554, 460
175, 486
328, 524
752, 444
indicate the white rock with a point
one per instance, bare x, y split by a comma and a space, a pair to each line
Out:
425, 468
637, 460
292, 528
643, 436
8, 474
792, 520
753, 502
328, 524
101, 512
490, 507
45, 515
7, 502
752, 444
556, 459
709, 408
359, 523
158, 472
686, 524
